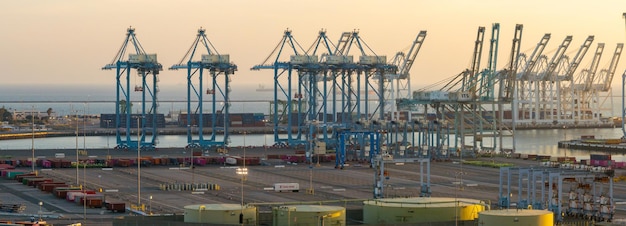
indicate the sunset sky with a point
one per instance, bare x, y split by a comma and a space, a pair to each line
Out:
69, 41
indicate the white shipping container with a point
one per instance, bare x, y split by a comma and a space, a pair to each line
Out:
280, 187
464, 96
330, 59
215, 59
136, 58
303, 59
142, 58
231, 161
372, 60
439, 95
151, 58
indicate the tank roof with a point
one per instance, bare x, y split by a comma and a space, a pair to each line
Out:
313, 208
422, 202
222, 206
515, 212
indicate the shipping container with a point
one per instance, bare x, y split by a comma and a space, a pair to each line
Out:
118, 207
292, 187
600, 157
48, 187
61, 192
12, 174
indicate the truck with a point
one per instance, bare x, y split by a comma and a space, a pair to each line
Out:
292, 187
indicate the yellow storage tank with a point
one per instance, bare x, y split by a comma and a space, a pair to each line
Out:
304, 215
420, 210
227, 214
520, 217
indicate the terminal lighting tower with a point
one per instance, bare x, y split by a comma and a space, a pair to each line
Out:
216, 64
147, 68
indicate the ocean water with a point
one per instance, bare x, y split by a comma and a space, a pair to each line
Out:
67, 100
541, 142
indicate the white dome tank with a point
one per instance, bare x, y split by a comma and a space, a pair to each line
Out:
516, 217
219, 214
420, 210
309, 215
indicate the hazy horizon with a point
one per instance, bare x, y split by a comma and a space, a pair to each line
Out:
69, 41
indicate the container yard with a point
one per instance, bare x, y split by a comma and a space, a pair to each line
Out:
174, 187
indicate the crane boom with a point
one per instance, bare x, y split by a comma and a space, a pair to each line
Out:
509, 82
534, 57
578, 58
556, 59
608, 73
587, 77
405, 67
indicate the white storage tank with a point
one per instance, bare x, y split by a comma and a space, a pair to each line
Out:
516, 217
309, 215
420, 210
220, 214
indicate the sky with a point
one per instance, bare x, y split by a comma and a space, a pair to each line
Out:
67, 42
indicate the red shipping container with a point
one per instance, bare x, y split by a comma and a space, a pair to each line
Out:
199, 161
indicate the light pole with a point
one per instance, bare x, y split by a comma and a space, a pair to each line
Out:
150, 206
84, 129
108, 135
193, 172
311, 190
32, 161
84, 193
565, 143
76, 121
243, 172
138, 162
40, 204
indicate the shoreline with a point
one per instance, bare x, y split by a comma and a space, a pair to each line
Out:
97, 131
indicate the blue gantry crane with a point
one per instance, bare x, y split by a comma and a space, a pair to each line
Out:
201, 57
147, 68
294, 115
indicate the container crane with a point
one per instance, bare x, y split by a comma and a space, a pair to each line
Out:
580, 87
216, 64
524, 82
401, 82
148, 69
371, 70
283, 68
560, 107
508, 86
601, 88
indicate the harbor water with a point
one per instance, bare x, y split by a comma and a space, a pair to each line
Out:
540, 142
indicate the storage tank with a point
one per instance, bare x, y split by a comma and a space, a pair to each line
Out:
420, 210
516, 217
227, 214
309, 215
